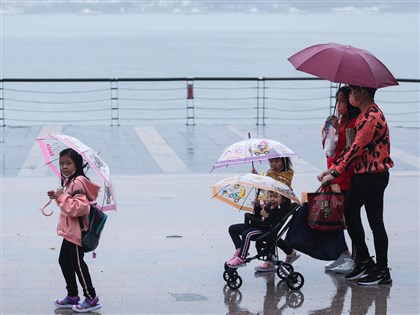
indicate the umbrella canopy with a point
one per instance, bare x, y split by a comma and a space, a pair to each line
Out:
236, 190
343, 64
251, 150
52, 144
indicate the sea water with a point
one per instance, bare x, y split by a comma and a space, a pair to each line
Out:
207, 45
177, 45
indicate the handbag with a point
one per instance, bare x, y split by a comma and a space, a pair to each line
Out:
323, 245
326, 210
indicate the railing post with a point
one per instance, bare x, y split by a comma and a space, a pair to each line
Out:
190, 103
2, 123
260, 117
114, 102
263, 115
333, 88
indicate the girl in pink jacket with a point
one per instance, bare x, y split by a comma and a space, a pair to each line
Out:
74, 199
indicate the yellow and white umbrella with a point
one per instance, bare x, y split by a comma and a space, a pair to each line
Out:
236, 190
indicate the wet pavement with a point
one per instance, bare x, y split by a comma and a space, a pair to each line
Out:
162, 252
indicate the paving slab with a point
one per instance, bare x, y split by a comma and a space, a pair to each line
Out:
163, 251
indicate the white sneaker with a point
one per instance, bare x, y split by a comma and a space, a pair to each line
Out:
290, 259
266, 267
337, 262
346, 267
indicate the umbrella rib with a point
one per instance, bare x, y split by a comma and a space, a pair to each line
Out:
370, 69
246, 197
219, 191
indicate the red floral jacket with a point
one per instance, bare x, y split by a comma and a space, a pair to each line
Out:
370, 151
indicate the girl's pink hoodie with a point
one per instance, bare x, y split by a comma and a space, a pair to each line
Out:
74, 207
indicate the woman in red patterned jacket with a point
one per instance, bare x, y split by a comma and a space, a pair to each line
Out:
369, 155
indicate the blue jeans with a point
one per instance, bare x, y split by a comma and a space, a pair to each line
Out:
368, 190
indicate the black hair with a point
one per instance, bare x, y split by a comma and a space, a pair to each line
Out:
370, 91
78, 161
352, 111
288, 165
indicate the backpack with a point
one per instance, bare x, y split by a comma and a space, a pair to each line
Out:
90, 238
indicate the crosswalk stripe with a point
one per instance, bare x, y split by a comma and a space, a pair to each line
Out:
159, 149
405, 157
34, 164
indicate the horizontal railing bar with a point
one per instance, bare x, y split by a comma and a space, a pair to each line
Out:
176, 79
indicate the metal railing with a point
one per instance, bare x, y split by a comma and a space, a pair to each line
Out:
117, 101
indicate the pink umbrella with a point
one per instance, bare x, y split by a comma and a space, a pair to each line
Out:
343, 64
51, 146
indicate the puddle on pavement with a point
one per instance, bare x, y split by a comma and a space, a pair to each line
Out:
189, 297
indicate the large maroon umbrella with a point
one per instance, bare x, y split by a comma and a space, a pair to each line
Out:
343, 64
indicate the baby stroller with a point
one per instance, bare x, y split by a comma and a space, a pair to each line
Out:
266, 246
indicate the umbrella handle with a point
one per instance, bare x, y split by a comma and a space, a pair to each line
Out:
42, 209
257, 196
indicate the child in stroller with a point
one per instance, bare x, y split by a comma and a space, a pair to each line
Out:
264, 227
262, 220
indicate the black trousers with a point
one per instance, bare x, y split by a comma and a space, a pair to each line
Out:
368, 190
72, 264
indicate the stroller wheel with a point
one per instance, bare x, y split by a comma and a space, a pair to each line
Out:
284, 269
234, 282
226, 274
295, 281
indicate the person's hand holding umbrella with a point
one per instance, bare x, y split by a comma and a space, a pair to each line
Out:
55, 194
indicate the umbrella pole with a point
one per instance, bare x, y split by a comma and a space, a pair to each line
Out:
335, 104
252, 162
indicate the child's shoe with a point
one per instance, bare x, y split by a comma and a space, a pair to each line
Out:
290, 259
235, 254
88, 305
266, 267
236, 262
67, 302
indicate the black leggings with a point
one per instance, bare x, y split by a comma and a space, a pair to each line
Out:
368, 190
72, 264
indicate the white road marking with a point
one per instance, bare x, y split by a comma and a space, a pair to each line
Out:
405, 157
34, 164
158, 148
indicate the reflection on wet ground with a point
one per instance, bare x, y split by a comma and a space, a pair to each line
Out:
278, 298
362, 297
